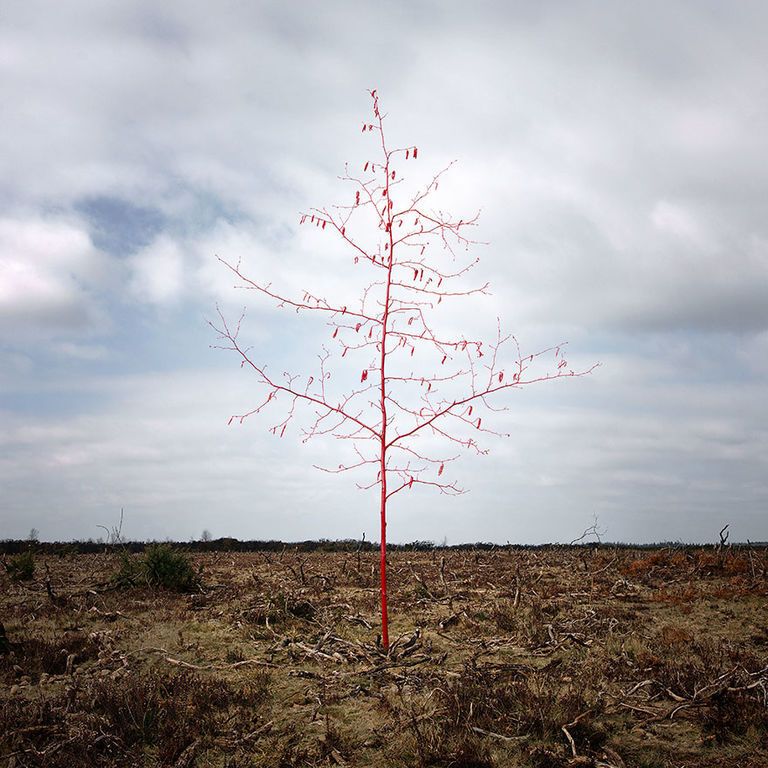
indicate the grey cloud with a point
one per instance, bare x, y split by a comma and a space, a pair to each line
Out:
618, 152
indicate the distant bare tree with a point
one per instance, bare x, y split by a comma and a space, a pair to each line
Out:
594, 530
114, 534
724, 534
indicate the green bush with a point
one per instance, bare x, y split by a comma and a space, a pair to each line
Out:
21, 567
130, 572
166, 567
159, 566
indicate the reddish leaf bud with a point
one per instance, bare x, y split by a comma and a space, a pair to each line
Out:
335, 333
501, 377
364, 376
440, 470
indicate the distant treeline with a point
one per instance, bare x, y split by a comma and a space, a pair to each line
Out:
229, 544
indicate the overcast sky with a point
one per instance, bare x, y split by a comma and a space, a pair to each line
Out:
618, 153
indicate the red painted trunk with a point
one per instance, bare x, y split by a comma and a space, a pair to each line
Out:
384, 618
430, 398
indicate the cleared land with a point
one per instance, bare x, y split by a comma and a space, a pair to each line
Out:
505, 657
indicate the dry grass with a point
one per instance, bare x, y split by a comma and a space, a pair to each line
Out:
507, 657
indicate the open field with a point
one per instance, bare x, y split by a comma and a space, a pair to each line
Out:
505, 657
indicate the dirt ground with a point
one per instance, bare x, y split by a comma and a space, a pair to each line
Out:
506, 657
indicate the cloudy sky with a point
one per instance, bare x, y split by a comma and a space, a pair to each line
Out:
618, 153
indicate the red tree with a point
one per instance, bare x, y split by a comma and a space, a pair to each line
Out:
414, 382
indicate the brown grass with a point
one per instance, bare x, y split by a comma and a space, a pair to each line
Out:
506, 657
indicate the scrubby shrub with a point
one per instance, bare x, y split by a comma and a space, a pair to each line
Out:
159, 566
516, 701
167, 567
129, 572
153, 719
22, 566
34, 655
733, 714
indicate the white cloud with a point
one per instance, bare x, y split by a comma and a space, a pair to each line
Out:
158, 272
48, 268
569, 128
232, 243
84, 352
675, 219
